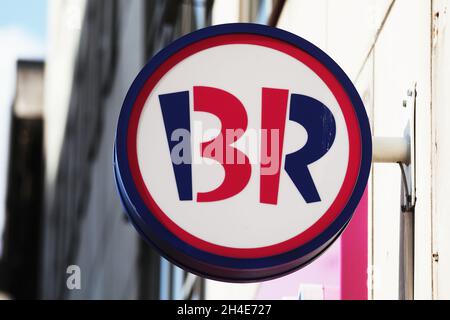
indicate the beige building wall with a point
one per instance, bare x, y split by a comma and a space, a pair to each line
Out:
387, 47
384, 47
440, 149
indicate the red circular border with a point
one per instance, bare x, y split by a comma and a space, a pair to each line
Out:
335, 87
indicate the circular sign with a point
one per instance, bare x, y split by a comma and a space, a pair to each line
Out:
241, 152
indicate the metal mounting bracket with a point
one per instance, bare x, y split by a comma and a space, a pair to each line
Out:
402, 150
409, 169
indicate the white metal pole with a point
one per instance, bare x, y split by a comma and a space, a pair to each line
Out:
398, 150
391, 150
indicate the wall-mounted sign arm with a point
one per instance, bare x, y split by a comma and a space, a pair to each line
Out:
401, 150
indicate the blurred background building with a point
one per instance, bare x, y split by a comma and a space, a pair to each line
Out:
62, 207
21, 252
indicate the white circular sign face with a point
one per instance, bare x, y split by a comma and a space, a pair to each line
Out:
241, 152
253, 224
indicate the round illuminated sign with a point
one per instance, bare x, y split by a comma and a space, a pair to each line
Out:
241, 152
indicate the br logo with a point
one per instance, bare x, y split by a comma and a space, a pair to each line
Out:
241, 152
308, 112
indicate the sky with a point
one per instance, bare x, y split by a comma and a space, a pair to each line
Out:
23, 32
29, 15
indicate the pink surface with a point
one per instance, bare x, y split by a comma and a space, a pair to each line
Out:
325, 270
354, 256
341, 270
